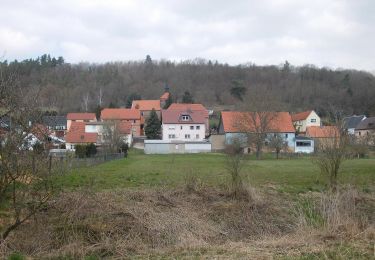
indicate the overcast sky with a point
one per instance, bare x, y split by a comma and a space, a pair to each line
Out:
334, 33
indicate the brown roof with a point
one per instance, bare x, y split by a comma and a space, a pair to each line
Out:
146, 105
301, 116
165, 96
322, 131
120, 114
235, 122
368, 123
175, 117
77, 134
186, 107
81, 116
77, 137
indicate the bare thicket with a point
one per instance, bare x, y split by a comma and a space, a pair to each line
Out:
332, 150
24, 165
278, 143
234, 163
113, 138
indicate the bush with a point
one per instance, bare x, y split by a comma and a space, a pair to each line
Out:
90, 150
80, 151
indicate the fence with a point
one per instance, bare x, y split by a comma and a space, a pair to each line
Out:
67, 163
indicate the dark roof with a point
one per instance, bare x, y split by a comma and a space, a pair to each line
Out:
53, 121
4, 122
301, 138
175, 117
352, 121
368, 123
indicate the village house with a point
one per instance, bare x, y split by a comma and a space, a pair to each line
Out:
238, 125
57, 125
323, 135
366, 128
351, 122
305, 119
183, 125
194, 108
79, 117
122, 117
77, 135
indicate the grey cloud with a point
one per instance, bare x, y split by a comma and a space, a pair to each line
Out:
334, 33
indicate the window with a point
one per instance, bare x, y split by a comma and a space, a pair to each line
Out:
196, 136
313, 120
198, 127
181, 127
185, 117
286, 135
172, 136
187, 136
171, 127
133, 121
191, 127
305, 144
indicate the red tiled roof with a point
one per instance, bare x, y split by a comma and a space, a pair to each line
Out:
77, 127
120, 114
234, 122
322, 131
301, 116
77, 134
165, 96
174, 117
81, 116
77, 137
146, 105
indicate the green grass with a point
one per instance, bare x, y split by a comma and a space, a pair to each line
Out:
140, 170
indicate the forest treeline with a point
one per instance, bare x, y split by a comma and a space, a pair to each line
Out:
79, 87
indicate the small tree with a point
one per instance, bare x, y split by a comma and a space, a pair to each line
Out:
234, 163
277, 143
187, 98
332, 152
153, 126
125, 149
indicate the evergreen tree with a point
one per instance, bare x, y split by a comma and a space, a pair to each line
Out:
187, 98
113, 105
153, 126
168, 102
238, 89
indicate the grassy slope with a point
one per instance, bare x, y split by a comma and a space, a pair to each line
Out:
139, 170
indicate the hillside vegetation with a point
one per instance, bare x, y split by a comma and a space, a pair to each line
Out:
76, 87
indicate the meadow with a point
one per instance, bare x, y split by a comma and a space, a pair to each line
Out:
286, 174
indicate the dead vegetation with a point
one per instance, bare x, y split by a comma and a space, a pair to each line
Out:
196, 222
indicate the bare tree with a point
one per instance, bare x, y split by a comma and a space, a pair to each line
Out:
332, 151
113, 136
278, 143
24, 165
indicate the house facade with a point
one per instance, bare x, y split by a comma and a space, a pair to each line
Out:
57, 125
305, 119
122, 117
366, 129
240, 125
351, 122
184, 125
77, 135
194, 108
79, 117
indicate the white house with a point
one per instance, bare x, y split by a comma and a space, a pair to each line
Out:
305, 119
304, 144
187, 125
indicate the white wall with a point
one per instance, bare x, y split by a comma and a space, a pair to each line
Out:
180, 130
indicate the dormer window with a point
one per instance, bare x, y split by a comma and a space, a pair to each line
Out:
185, 117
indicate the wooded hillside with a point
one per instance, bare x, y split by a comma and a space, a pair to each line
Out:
77, 87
